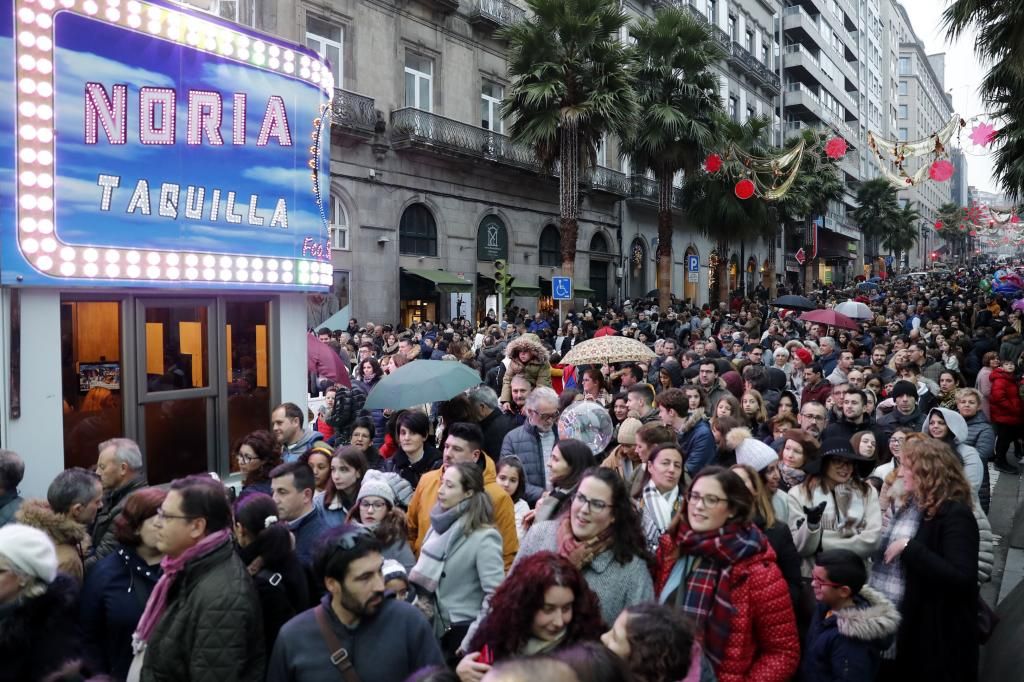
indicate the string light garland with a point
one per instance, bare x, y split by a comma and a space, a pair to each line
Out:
714, 262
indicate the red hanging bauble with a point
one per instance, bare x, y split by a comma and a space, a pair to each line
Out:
973, 233
744, 188
713, 163
938, 225
835, 148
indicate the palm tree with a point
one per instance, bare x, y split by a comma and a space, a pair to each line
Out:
712, 204
817, 183
954, 227
1000, 35
571, 85
903, 232
677, 95
877, 205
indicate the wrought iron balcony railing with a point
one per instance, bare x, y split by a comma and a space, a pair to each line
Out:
610, 181
414, 128
353, 112
497, 13
645, 190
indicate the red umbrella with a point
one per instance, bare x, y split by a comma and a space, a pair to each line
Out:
830, 318
324, 362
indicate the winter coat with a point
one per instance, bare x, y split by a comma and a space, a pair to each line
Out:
291, 453
969, 457
860, 535
819, 392
495, 426
212, 630
697, 443
938, 639
425, 497
524, 442
400, 464
537, 371
845, 645
103, 540
307, 531
1005, 403
111, 604
348, 405
616, 585
787, 557
763, 645
1011, 347
473, 569
66, 533
982, 438
10, 503
39, 635
888, 423
283, 591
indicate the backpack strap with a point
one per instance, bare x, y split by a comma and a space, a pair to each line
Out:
339, 654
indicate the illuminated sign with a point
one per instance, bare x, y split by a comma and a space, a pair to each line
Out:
150, 145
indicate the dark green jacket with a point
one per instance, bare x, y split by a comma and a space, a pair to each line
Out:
103, 540
212, 630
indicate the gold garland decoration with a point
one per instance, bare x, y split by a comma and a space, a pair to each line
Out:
889, 153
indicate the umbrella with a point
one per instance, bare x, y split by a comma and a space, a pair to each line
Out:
421, 381
794, 303
867, 285
1018, 304
608, 349
324, 362
855, 310
830, 318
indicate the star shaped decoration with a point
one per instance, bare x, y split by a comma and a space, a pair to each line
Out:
983, 134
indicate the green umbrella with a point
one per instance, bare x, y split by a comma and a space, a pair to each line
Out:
421, 381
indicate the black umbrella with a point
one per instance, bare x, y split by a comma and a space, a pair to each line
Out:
794, 303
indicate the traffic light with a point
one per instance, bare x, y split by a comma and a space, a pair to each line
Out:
502, 280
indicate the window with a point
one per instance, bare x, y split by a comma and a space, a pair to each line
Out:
734, 108
904, 66
417, 232
730, 27
339, 225
599, 244
751, 113
327, 39
225, 9
902, 135
602, 151
904, 87
713, 11
419, 82
765, 54
550, 246
902, 111
750, 42
491, 95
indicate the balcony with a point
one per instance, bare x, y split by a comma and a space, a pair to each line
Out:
353, 114
644, 190
807, 67
609, 181
422, 130
494, 14
446, 6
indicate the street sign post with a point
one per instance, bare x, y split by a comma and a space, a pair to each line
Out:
692, 268
561, 288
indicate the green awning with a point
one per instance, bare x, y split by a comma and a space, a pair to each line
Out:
525, 290
446, 282
582, 292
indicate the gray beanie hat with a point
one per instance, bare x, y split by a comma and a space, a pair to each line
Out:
374, 485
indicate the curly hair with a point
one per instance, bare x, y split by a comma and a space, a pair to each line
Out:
627, 538
506, 627
660, 641
265, 448
938, 474
139, 506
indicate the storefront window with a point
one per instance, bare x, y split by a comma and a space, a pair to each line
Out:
177, 353
177, 438
248, 369
92, 374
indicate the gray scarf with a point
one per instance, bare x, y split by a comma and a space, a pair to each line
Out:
445, 530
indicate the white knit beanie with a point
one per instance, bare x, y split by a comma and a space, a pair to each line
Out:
749, 450
29, 550
375, 485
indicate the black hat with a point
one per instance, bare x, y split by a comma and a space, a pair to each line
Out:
904, 387
841, 447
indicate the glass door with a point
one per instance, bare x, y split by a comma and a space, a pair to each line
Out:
175, 357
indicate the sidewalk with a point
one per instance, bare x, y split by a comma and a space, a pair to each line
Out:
1003, 658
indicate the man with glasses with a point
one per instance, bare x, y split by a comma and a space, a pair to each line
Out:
358, 631
463, 444
813, 418
203, 619
533, 441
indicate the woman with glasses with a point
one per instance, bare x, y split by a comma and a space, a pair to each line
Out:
601, 536
717, 567
543, 606
375, 509
256, 454
461, 561
927, 566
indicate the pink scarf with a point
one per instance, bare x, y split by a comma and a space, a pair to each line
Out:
171, 566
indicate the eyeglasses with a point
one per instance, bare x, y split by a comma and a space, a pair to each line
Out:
707, 501
596, 506
370, 504
245, 459
163, 516
546, 416
814, 417
825, 583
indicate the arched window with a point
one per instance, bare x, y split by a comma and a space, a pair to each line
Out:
550, 246
417, 232
599, 244
339, 225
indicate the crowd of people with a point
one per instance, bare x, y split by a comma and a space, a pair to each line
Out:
778, 500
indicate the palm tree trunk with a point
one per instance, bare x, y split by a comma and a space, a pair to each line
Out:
723, 271
570, 193
664, 241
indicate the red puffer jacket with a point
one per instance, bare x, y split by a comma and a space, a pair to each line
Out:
1004, 402
763, 645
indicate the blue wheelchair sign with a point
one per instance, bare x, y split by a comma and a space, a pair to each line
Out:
561, 288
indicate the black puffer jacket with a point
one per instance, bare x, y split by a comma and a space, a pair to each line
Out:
212, 630
40, 635
348, 404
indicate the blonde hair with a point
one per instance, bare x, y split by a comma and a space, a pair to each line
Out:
938, 474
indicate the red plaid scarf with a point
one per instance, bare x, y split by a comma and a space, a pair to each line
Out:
707, 595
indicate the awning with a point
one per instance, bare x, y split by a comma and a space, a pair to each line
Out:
525, 290
445, 282
582, 292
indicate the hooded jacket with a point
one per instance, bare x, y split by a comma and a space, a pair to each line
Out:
537, 371
66, 533
38, 636
697, 442
974, 468
846, 644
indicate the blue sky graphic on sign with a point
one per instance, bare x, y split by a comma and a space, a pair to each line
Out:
153, 146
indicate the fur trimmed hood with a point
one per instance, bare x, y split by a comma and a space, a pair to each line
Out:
873, 618
695, 418
61, 528
531, 343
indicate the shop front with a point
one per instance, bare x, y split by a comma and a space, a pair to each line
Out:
165, 229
